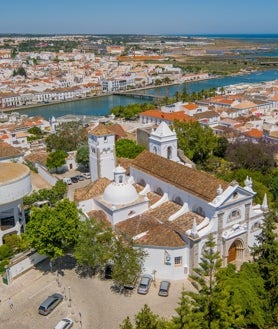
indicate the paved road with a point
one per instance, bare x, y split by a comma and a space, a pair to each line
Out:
92, 298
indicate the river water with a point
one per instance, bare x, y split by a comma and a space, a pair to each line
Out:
100, 106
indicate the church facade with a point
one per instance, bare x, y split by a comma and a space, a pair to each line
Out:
170, 209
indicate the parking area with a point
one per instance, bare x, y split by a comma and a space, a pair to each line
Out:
93, 303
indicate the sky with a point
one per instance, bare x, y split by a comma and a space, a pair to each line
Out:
139, 16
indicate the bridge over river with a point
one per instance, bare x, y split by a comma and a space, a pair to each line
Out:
155, 98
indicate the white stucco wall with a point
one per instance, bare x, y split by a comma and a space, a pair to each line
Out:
156, 261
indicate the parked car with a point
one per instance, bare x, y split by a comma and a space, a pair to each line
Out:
74, 179
164, 288
144, 284
87, 175
50, 303
65, 323
67, 180
80, 177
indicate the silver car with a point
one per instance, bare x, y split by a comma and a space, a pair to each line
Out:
164, 288
50, 303
144, 284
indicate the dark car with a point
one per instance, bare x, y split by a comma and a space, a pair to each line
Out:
50, 303
74, 179
144, 284
80, 177
164, 288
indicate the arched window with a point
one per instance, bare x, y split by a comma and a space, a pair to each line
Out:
159, 191
155, 150
200, 211
178, 200
120, 179
169, 152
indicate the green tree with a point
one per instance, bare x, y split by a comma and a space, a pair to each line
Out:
127, 262
265, 254
196, 141
94, 247
221, 147
126, 148
17, 243
252, 156
53, 231
246, 289
56, 193
68, 137
146, 319
82, 155
210, 306
56, 159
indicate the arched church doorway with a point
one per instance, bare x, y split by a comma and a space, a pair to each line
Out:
235, 251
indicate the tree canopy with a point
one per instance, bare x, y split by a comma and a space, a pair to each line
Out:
56, 159
68, 137
249, 155
131, 111
126, 148
196, 141
53, 230
97, 245
82, 155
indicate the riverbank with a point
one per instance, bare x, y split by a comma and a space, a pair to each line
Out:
101, 105
25, 107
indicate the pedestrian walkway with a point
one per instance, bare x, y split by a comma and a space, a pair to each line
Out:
19, 284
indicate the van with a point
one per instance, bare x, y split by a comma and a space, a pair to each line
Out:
50, 303
67, 180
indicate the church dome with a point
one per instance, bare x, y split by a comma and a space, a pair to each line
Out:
120, 193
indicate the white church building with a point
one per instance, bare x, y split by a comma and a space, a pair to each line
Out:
168, 208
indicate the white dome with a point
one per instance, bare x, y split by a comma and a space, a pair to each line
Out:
119, 170
122, 193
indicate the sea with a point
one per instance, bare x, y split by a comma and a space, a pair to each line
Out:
101, 106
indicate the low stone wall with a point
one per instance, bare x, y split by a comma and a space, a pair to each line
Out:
22, 263
43, 172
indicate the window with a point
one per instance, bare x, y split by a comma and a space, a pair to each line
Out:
105, 139
93, 149
178, 261
235, 214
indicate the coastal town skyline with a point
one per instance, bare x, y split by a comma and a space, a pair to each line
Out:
86, 17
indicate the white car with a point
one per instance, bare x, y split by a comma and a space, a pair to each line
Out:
86, 175
64, 324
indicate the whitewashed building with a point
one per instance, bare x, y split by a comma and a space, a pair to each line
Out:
169, 209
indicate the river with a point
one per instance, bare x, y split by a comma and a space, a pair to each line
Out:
100, 106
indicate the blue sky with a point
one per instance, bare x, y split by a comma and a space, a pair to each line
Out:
139, 17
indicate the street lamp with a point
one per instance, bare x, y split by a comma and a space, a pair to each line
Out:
69, 298
58, 279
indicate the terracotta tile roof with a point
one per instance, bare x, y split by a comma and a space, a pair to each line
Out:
190, 106
39, 157
151, 229
254, 133
6, 150
201, 184
179, 115
100, 130
205, 115
100, 217
156, 234
118, 130
90, 191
